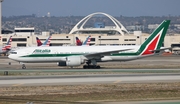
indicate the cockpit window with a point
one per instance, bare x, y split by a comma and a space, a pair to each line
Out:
13, 52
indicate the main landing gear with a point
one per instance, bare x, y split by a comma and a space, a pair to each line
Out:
93, 66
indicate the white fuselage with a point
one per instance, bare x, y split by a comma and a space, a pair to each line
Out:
57, 54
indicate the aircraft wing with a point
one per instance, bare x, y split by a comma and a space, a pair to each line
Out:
101, 54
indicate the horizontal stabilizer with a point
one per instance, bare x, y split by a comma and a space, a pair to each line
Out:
160, 50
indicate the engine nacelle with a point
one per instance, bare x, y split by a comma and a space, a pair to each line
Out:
72, 61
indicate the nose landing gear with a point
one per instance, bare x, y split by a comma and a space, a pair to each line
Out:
23, 65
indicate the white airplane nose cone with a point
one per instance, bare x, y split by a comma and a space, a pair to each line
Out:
10, 56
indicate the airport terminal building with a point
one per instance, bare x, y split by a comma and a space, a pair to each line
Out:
100, 35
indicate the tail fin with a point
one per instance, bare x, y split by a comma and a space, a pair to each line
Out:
39, 43
88, 40
8, 45
78, 42
47, 42
155, 40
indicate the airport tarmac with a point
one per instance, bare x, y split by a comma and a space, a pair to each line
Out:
126, 72
151, 70
155, 62
87, 79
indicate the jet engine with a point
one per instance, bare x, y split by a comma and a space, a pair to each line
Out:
72, 61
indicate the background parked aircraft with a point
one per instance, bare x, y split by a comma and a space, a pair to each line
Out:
46, 43
5, 49
86, 42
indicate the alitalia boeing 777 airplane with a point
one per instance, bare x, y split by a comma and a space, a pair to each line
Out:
77, 55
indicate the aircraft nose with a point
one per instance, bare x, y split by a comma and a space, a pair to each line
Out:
10, 56
13, 55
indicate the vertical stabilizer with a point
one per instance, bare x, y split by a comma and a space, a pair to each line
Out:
78, 42
155, 40
47, 42
87, 41
39, 43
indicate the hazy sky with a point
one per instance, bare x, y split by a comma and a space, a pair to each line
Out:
85, 7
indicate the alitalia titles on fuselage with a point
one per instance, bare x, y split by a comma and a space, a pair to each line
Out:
41, 51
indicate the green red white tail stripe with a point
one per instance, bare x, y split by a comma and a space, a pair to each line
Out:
155, 41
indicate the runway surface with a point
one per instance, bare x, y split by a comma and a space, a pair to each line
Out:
93, 76
148, 62
165, 70
87, 79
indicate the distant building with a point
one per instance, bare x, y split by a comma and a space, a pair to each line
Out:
6, 32
24, 31
177, 26
152, 26
135, 28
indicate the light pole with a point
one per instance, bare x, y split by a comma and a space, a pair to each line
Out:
1, 16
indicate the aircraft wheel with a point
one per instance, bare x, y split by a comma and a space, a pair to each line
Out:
23, 66
94, 67
98, 67
85, 67
90, 67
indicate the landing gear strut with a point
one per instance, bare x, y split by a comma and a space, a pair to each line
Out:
93, 66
